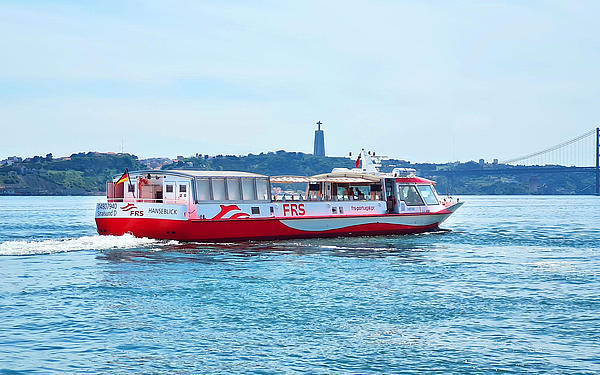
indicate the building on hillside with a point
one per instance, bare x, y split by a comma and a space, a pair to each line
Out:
155, 163
11, 160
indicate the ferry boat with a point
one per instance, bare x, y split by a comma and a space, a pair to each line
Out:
217, 206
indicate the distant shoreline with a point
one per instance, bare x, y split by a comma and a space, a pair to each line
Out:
87, 173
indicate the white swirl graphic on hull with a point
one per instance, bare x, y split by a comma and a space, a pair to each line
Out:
318, 225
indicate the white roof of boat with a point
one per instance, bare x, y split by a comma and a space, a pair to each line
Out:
314, 179
349, 174
194, 173
197, 173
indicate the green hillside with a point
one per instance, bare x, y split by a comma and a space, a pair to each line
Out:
87, 173
79, 174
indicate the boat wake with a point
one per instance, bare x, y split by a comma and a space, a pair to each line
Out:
53, 246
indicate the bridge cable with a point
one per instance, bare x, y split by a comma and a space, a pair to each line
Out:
550, 149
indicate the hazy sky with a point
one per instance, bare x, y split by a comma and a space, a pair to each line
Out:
419, 80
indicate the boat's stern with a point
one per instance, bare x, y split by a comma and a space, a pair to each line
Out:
156, 220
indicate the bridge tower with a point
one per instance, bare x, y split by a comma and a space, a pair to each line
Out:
597, 161
319, 149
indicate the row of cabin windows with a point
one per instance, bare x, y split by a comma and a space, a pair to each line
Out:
182, 188
232, 189
168, 188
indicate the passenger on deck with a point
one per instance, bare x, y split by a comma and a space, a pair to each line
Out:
359, 194
349, 192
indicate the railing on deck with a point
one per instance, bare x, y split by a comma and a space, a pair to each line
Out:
278, 198
141, 200
335, 198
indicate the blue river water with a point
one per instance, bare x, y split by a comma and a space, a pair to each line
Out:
512, 285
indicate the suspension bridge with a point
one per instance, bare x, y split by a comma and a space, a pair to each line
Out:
578, 155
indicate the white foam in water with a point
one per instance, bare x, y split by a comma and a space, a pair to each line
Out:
73, 244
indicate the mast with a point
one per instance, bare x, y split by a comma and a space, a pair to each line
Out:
368, 164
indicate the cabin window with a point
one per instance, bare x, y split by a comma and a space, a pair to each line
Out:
202, 189
410, 196
118, 191
360, 192
110, 193
248, 190
233, 189
255, 210
375, 192
218, 189
428, 194
342, 191
169, 188
352, 192
182, 188
262, 189
130, 188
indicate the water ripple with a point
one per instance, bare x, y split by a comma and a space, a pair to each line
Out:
509, 286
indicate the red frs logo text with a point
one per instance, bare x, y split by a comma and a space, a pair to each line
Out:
132, 209
293, 209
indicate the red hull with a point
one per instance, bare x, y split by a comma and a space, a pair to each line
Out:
247, 229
